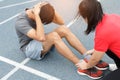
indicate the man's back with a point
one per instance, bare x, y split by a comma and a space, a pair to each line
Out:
22, 26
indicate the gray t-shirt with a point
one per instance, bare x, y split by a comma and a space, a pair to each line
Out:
22, 26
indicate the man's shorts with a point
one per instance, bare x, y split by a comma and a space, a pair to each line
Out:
33, 50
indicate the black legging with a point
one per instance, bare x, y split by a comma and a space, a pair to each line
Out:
115, 75
114, 57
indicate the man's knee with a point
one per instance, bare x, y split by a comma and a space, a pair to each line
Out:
55, 36
62, 30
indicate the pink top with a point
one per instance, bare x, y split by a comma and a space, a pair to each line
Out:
107, 34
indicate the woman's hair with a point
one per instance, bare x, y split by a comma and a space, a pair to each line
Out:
92, 11
47, 13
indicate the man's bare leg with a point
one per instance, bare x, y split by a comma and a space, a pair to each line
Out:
54, 39
63, 31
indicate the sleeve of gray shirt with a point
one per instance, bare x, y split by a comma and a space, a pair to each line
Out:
23, 26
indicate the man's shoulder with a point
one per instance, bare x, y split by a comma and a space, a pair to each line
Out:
22, 15
22, 18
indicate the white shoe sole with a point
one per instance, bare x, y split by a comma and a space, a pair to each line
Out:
101, 68
88, 75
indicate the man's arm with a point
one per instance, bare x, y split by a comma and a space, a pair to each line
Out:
58, 19
37, 34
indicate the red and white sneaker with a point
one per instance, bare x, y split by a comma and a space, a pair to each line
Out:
92, 73
102, 65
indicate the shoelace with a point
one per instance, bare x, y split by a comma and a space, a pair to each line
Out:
92, 71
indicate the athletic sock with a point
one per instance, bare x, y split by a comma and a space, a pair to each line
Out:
87, 56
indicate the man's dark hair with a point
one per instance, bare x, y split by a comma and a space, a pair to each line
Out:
92, 11
47, 13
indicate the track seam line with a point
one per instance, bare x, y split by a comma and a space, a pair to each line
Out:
14, 70
29, 69
17, 4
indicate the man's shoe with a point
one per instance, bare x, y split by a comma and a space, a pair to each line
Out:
91, 73
102, 65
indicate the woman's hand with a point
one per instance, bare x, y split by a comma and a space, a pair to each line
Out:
90, 51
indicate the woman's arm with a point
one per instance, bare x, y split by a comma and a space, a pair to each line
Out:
95, 58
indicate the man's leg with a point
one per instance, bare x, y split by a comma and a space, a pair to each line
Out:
63, 31
54, 39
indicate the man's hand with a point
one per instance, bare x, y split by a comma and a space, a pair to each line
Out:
82, 64
36, 8
39, 32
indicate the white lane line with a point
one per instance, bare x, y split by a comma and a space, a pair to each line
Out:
17, 4
16, 14
9, 19
73, 21
1, 0
28, 69
14, 70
